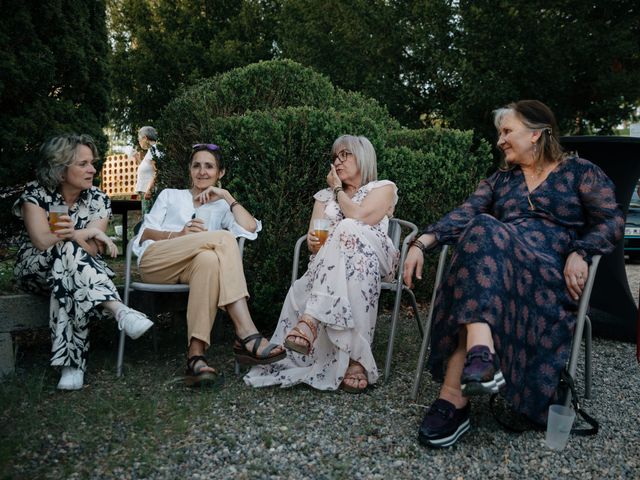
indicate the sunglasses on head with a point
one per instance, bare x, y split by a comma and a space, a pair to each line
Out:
206, 146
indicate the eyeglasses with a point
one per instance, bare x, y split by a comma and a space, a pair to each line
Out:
342, 155
206, 146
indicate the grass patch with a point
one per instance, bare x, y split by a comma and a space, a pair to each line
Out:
135, 425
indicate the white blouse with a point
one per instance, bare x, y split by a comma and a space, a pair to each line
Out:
173, 208
146, 172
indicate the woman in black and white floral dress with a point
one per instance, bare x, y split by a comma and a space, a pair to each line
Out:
67, 262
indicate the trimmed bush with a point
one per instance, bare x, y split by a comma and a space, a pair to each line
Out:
276, 122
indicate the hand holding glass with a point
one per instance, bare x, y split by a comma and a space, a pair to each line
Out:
55, 212
204, 214
321, 229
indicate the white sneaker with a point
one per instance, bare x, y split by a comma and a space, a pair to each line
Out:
133, 322
71, 379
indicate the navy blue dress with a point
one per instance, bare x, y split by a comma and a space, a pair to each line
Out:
507, 270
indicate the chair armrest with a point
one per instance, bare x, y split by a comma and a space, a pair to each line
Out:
296, 258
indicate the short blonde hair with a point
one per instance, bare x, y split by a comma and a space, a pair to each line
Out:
59, 153
364, 152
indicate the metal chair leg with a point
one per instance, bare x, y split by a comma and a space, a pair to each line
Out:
392, 330
154, 335
414, 305
421, 359
427, 324
120, 354
588, 373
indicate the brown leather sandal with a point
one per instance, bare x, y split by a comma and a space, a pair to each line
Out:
355, 371
296, 332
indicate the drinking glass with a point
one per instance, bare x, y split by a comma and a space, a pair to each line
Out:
55, 212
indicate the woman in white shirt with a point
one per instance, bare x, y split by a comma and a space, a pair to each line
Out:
146, 175
190, 237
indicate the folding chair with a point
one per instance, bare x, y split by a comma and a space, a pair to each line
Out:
395, 233
172, 288
582, 328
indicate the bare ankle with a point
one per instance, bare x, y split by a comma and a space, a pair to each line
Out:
453, 395
479, 334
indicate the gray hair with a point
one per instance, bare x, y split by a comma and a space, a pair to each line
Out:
536, 116
59, 153
149, 132
363, 151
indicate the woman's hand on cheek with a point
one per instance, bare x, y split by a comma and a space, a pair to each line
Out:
333, 180
211, 194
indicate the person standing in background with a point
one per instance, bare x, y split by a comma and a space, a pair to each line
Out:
147, 138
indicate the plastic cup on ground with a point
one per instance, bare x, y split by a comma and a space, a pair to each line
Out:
321, 229
55, 212
559, 422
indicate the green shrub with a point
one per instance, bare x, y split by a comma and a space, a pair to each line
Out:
434, 170
276, 122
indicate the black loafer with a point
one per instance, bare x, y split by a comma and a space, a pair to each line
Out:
443, 424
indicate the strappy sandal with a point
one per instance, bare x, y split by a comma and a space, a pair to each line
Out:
298, 333
358, 376
252, 357
194, 377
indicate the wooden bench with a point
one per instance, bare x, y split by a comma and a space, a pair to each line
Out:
19, 312
26, 311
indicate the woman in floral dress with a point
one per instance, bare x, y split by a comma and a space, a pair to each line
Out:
505, 314
328, 318
64, 259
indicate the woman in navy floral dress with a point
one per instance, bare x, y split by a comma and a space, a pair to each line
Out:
64, 259
505, 315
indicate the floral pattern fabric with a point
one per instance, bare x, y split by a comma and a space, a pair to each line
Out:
75, 281
507, 270
340, 289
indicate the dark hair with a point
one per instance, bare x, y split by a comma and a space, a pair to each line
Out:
57, 154
208, 147
536, 116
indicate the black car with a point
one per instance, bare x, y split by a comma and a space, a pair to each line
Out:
632, 229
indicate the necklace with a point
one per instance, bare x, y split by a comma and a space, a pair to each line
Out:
531, 205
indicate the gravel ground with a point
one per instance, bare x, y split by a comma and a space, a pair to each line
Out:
272, 433
301, 433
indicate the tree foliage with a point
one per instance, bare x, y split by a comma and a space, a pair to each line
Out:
433, 62
361, 45
581, 58
161, 46
54, 77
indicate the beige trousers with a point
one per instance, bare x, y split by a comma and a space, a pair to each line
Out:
210, 263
